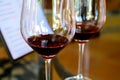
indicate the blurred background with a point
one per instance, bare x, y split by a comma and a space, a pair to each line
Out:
113, 5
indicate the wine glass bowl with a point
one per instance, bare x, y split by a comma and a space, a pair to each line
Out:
47, 31
40, 32
90, 18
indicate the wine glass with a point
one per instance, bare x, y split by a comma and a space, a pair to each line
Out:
90, 18
47, 30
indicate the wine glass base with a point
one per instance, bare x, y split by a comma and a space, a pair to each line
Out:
77, 78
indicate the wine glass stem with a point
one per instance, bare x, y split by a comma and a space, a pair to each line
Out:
80, 59
48, 69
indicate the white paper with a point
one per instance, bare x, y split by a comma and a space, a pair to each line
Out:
10, 11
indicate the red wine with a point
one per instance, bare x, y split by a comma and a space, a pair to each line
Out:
47, 45
85, 32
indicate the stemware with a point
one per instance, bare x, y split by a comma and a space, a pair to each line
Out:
47, 29
90, 18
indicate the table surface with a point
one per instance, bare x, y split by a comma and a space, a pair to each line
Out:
101, 58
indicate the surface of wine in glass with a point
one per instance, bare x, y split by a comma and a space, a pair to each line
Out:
47, 45
90, 18
48, 29
84, 32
